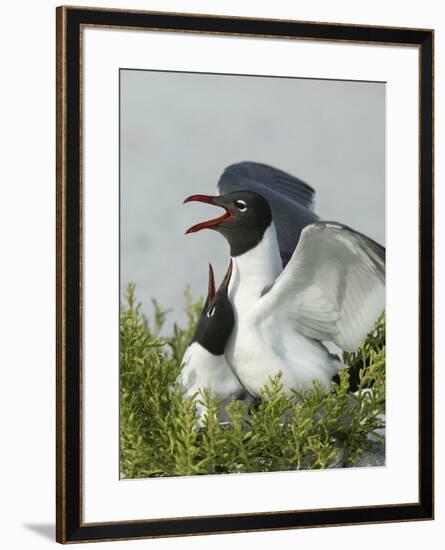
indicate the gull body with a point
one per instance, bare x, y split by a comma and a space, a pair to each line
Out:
202, 369
263, 342
204, 363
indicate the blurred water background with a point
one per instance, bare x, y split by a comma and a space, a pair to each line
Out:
179, 131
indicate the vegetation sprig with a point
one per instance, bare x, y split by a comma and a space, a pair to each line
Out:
304, 430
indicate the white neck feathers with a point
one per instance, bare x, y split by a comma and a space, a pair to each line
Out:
258, 267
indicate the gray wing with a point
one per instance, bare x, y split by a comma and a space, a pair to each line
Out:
333, 288
291, 200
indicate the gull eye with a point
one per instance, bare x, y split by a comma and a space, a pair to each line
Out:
241, 205
211, 312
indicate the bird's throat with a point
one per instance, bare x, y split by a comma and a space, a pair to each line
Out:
255, 270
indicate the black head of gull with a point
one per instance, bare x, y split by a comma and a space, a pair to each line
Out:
217, 318
247, 216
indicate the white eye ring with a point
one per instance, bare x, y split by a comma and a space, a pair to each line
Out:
241, 205
211, 312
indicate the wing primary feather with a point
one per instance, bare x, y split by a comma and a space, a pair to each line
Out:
333, 287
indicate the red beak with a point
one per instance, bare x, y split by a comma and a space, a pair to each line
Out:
211, 289
225, 282
200, 198
209, 224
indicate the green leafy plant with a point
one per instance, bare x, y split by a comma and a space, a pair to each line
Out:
304, 430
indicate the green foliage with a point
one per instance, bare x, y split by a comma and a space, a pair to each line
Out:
305, 430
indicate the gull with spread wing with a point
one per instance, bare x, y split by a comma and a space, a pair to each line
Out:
332, 287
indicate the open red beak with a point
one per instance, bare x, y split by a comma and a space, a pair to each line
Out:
209, 224
225, 282
211, 288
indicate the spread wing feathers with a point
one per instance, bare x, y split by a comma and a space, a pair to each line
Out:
266, 178
333, 287
290, 199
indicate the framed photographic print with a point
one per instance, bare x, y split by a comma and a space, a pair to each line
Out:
244, 274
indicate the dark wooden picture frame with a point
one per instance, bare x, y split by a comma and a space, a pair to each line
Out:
69, 522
